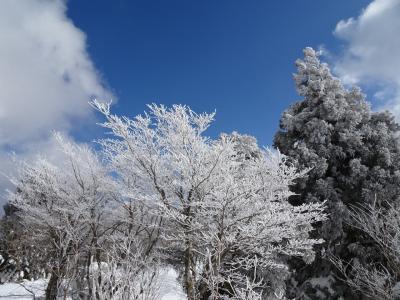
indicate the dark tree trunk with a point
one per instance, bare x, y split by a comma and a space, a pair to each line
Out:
51, 290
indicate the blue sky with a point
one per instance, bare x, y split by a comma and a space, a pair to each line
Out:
233, 56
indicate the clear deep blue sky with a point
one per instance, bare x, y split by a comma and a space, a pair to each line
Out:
235, 56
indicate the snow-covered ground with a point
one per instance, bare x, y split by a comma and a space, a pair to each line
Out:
170, 288
23, 290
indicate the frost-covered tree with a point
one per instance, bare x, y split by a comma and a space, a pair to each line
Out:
64, 209
227, 226
354, 158
98, 243
246, 146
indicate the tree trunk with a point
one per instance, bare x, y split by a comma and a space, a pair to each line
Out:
204, 292
189, 281
88, 279
52, 287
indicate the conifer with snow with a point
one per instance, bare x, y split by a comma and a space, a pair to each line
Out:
354, 157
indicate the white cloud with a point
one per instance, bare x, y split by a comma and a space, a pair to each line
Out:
48, 148
46, 75
372, 51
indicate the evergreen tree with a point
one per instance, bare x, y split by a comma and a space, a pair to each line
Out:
354, 159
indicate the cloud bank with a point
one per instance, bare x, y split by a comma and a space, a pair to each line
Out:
46, 76
371, 55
